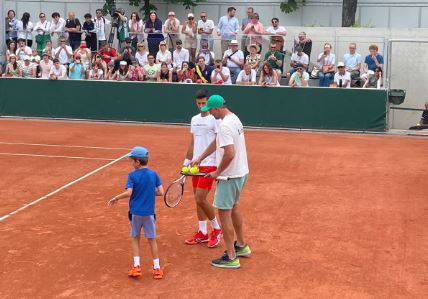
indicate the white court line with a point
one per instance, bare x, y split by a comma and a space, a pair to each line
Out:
61, 145
60, 189
53, 156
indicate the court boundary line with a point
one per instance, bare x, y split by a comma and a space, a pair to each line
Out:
4, 217
61, 145
54, 156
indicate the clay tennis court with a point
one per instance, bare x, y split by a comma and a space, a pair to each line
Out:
326, 215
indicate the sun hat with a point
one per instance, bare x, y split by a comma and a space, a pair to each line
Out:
214, 101
233, 42
138, 152
253, 45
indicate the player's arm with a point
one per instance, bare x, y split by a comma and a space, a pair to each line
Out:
229, 154
122, 195
208, 151
159, 191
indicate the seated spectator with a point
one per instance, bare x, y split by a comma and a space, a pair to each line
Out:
128, 44
164, 55
372, 61
48, 49
123, 73
208, 55
58, 71
304, 42
107, 53
164, 74
247, 76
234, 59
374, 79
203, 71
84, 53
151, 69
96, 73
126, 54
423, 123
179, 55
278, 33
220, 74
326, 61
12, 68
141, 54
137, 71
254, 31
22, 50
298, 58
76, 69
185, 74
274, 58
300, 77
11, 49
91, 34
111, 69
98, 59
27, 69
352, 61
268, 77
63, 52
342, 78
45, 66
34, 57
253, 58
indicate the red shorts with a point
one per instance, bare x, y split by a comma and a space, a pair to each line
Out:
203, 182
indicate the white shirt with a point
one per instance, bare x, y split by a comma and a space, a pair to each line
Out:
237, 56
225, 71
279, 29
98, 75
179, 57
24, 33
58, 27
163, 57
43, 28
206, 26
21, 53
63, 57
142, 58
346, 76
61, 71
100, 27
304, 59
243, 77
231, 131
204, 130
45, 68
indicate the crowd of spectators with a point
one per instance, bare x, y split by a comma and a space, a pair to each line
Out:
162, 52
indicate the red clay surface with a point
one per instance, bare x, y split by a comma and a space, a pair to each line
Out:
326, 215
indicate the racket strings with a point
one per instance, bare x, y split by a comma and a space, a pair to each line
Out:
173, 194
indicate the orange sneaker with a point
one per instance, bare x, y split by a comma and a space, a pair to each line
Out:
157, 274
197, 238
135, 271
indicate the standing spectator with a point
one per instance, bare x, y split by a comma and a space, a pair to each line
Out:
278, 33
228, 27
12, 68
141, 54
203, 71
274, 58
326, 61
25, 29
58, 71
179, 55
342, 78
172, 24
372, 61
27, 69
245, 21
100, 27
107, 53
304, 42
77, 70
136, 30
164, 55
298, 58
208, 55
164, 74
300, 77
42, 29
123, 73
189, 30
90, 33
374, 79
247, 76
205, 30
234, 59
151, 69
122, 28
352, 62
268, 77
220, 74
22, 50
57, 25
185, 74
154, 33
73, 27
232, 162
253, 58
254, 31
96, 73
63, 52
85, 54
45, 66
11, 26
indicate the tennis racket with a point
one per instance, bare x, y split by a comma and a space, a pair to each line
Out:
219, 178
174, 192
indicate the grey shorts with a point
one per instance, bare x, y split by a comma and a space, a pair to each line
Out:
148, 223
227, 192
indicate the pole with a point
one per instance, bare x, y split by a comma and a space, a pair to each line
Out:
2, 28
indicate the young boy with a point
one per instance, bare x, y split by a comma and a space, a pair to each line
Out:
142, 187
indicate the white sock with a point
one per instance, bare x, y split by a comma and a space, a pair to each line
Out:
156, 264
215, 224
203, 226
136, 261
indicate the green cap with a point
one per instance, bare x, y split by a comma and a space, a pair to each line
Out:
214, 101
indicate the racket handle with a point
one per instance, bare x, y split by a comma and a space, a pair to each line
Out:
222, 178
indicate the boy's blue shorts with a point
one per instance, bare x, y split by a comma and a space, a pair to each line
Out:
148, 223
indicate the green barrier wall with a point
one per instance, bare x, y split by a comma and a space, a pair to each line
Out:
308, 108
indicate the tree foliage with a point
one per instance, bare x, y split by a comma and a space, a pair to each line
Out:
290, 6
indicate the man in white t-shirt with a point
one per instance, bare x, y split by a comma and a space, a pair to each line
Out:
278, 34
63, 52
205, 29
342, 78
298, 58
234, 59
247, 76
220, 74
232, 173
100, 26
179, 55
203, 128
58, 71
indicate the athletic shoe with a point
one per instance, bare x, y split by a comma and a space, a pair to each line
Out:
197, 238
215, 238
226, 262
135, 271
243, 250
157, 274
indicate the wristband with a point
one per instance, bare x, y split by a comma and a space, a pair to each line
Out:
186, 162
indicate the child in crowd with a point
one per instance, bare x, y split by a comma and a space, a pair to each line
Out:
142, 187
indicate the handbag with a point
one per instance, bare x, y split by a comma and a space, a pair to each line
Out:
327, 69
315, 72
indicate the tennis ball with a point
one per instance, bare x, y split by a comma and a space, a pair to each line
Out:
185, 169
194, 169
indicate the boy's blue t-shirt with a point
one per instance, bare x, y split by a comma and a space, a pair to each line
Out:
370, 62
143, 183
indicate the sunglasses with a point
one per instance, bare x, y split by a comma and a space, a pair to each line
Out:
163, 45
203, 16
190, 18
42, 16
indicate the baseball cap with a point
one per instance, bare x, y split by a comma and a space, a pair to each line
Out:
138, 152
340, 64
171, 13
123, 62
190, 15
214, 101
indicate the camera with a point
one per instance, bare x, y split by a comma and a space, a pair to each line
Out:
114, 13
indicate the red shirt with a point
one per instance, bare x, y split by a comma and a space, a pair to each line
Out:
111, 53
